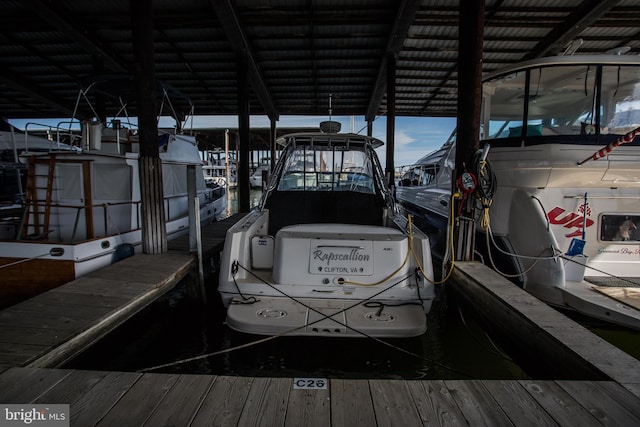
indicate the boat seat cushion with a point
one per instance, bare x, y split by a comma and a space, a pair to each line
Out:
296, 207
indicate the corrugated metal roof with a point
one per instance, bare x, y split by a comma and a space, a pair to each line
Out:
302, 50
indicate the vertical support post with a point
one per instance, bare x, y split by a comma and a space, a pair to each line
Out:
227, 165
272, 146
471, 28
243, 128
191, 194
391, 118
201, 288
154, 233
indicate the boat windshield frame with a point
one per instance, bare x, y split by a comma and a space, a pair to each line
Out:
372, 181
574, 99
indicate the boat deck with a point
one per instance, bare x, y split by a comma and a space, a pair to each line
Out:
135, 399
625, 290
628, 296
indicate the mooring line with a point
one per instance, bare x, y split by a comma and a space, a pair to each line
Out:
324, 316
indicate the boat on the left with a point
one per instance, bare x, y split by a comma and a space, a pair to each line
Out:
82, 207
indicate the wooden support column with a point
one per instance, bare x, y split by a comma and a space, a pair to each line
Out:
192, 195
471, 28
391, 118
154, 233
244, 204
272, 146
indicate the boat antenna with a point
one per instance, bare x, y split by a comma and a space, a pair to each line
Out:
572, 47
330, 95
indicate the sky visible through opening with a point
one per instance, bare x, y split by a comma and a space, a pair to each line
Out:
414, 136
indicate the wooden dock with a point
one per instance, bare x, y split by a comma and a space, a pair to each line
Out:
51, 329
54, 327
565, 348
134, 399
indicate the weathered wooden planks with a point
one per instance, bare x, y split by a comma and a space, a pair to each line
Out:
573, 351
133, 399
55, 326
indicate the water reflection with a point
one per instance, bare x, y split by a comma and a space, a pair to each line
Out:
232, 200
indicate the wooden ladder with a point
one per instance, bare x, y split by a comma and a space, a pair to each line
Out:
37, 214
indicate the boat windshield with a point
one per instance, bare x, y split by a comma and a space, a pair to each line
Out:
323, 168
565, 99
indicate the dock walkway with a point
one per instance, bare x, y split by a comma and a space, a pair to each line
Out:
134, 399
54, 327
47, 331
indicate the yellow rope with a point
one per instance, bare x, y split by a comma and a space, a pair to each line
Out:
412, 252
386, 278
454, 196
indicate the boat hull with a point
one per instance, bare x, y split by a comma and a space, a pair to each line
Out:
592, 301
27, 279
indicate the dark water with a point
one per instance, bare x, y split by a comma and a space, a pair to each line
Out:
625, 339
174, 329
178, 332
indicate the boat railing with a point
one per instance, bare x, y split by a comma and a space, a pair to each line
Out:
109, 226
60, 134
39, 208
75, 139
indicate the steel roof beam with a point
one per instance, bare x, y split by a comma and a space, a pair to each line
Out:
585, 15
34, 92
234, 31
405, 15
50, 15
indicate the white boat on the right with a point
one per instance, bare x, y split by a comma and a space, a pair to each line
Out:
561, 185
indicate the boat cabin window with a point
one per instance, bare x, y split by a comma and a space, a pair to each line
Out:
327, 169
419, 175
619, 228
562, 100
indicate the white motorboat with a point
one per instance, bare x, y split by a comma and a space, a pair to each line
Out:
220, 171
82, 208
561, 220
256, 179
326, 252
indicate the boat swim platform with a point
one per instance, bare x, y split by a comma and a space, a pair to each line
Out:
628, 296
52, 328
153, 399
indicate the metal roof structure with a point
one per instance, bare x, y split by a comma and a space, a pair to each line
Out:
297, 53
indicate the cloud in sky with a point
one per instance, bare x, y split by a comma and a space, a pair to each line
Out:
414, 137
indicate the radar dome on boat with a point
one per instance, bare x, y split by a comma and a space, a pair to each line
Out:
330, 126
